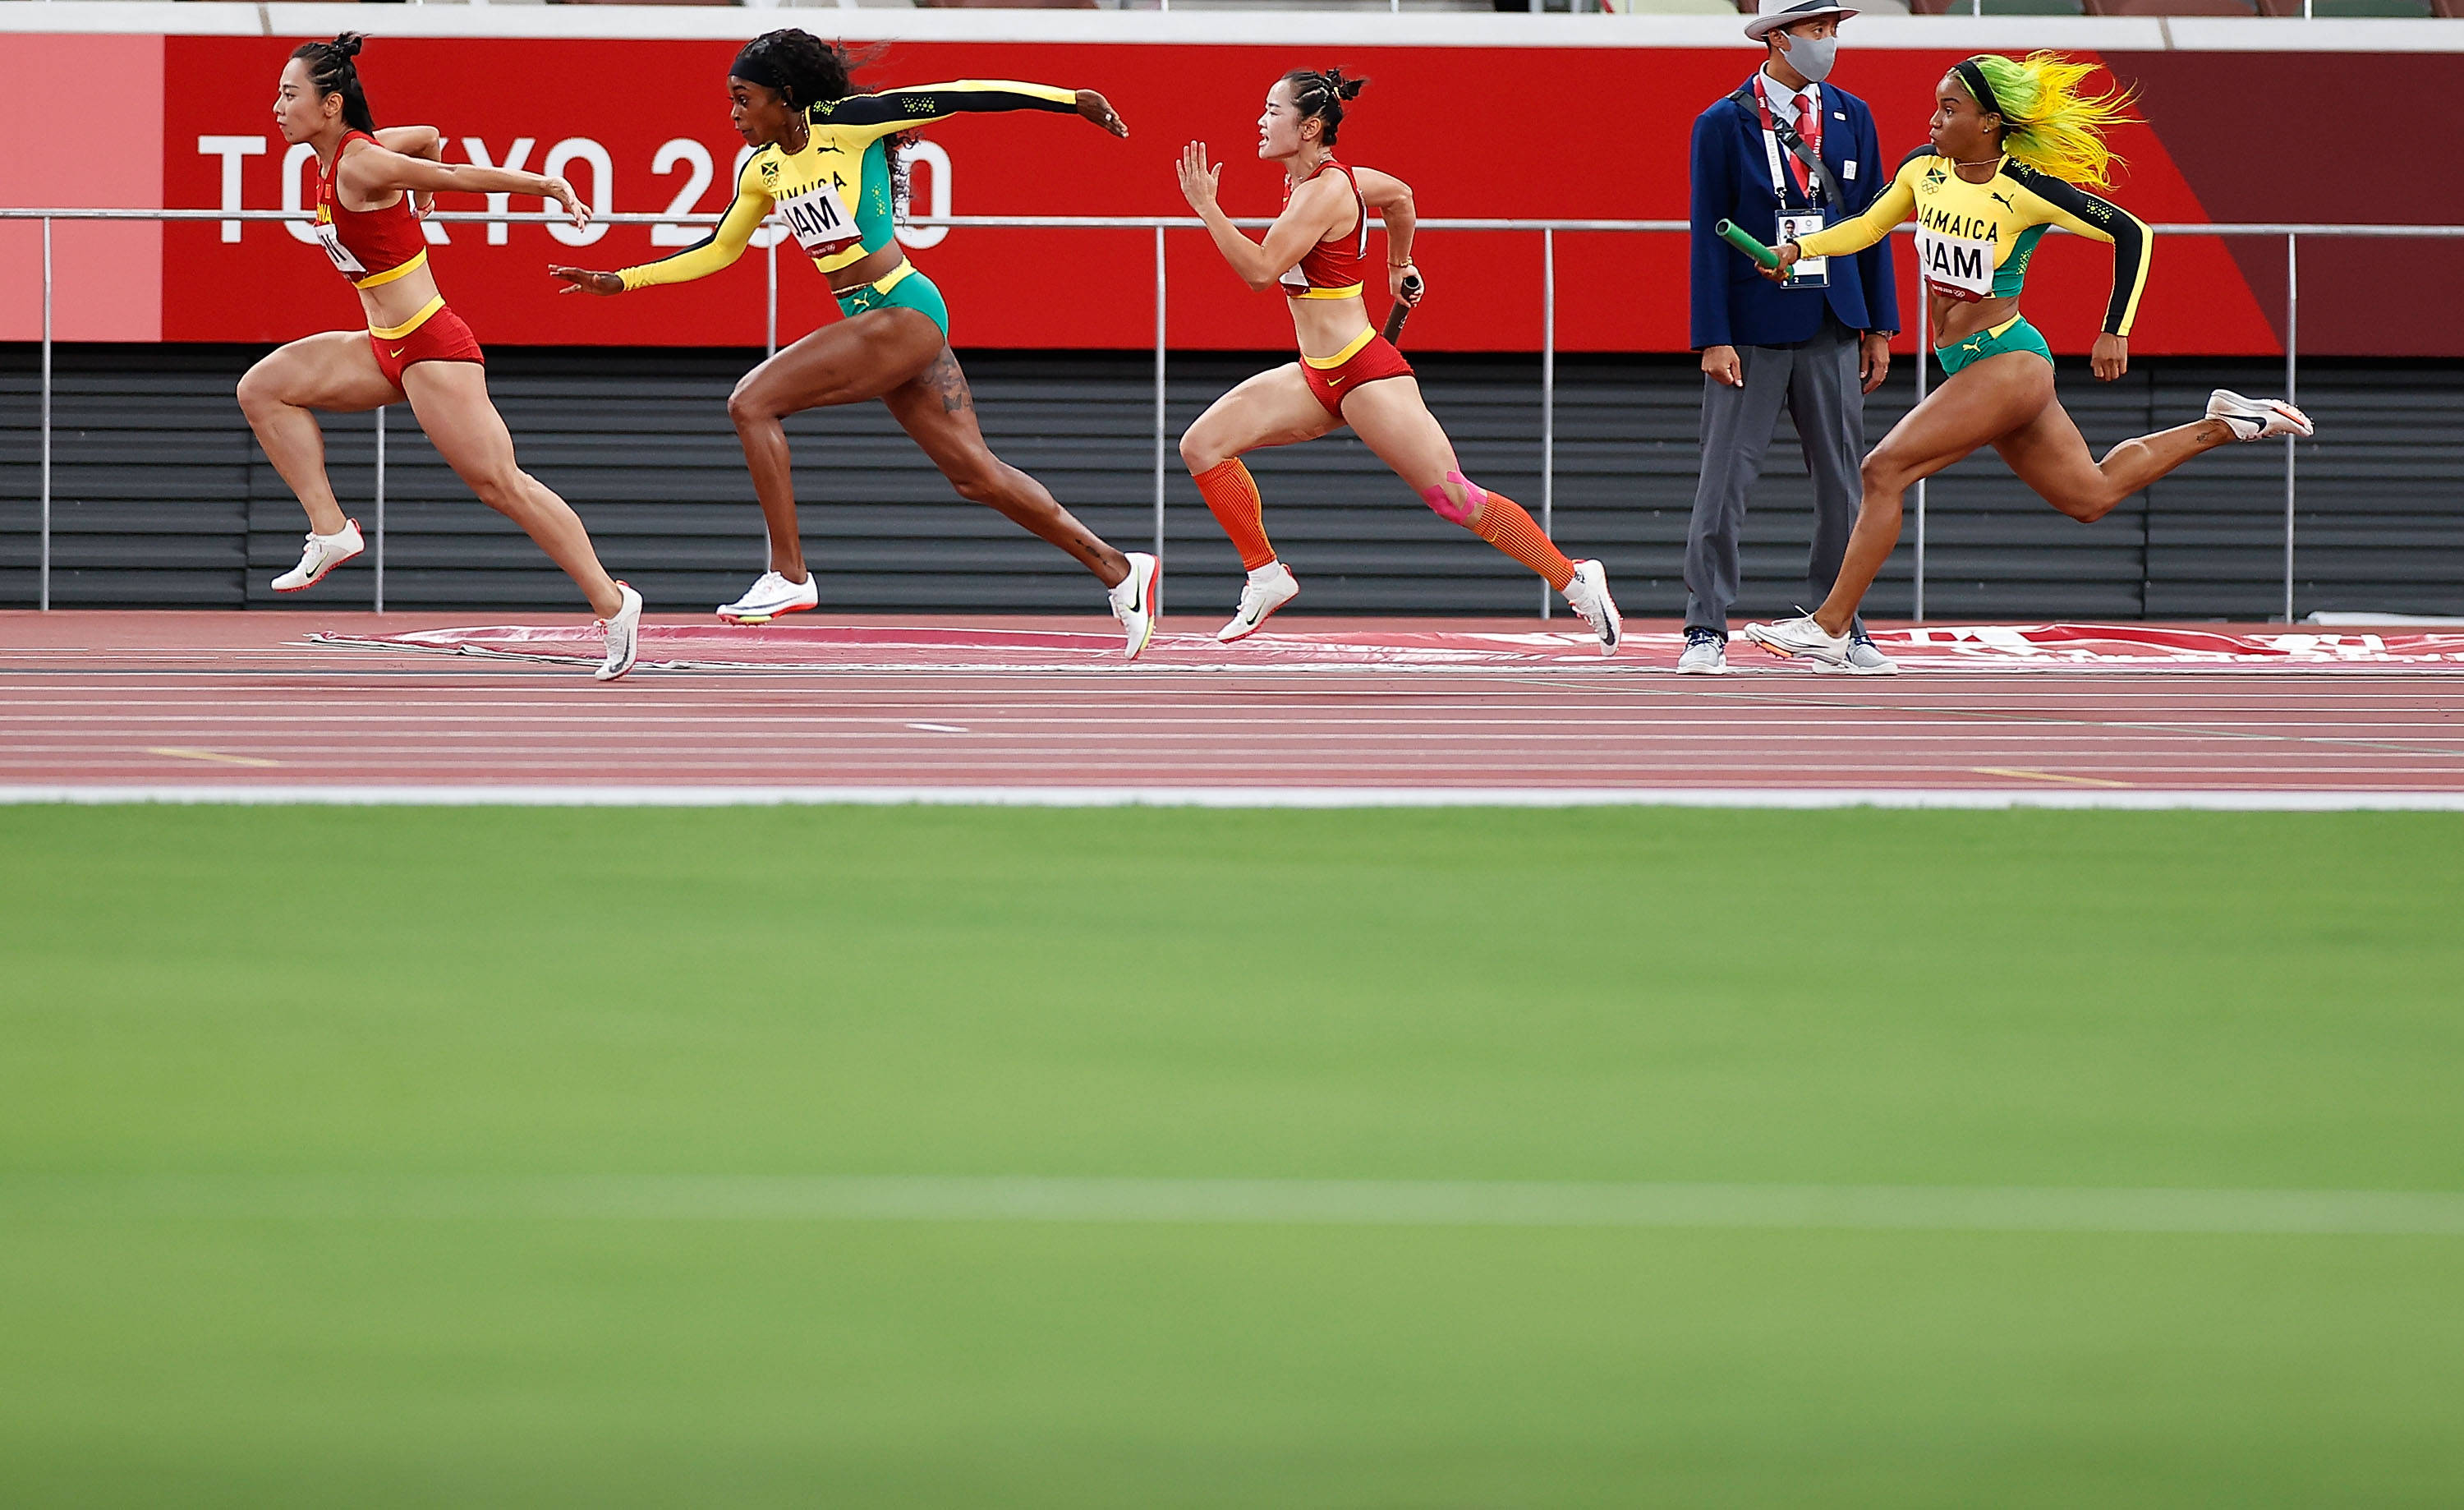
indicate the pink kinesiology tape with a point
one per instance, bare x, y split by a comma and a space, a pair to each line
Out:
1474, 499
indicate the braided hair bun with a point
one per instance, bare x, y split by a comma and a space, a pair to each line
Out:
1320, 97
333, 73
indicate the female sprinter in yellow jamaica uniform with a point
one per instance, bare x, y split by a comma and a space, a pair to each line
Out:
825, 158
2010, 140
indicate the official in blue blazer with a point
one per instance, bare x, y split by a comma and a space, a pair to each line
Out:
1816, 347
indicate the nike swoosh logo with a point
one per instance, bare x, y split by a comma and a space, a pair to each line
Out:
398, 351
1334, 381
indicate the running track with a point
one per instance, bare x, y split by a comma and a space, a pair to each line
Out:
195, 704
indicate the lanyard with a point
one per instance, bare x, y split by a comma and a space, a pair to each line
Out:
1812, 193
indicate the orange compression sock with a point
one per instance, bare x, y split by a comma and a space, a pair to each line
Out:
1501, 522
1231, 495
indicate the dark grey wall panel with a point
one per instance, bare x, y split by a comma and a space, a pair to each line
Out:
162, 497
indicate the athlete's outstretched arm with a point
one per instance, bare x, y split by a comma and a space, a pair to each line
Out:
1391, 198
1314, 208
367, 171
717, 251
921, 104
1855, 233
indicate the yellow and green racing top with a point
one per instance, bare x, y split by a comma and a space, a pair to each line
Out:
835, 194
1973, 240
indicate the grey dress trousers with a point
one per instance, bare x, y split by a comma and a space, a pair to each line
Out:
1815, 380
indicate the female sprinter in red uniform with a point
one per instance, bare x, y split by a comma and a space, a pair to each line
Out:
826, 159
1318, 252
414, 347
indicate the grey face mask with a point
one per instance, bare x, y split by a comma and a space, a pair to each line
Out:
1813, 55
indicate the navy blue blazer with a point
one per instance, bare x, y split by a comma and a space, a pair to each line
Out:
1734, 305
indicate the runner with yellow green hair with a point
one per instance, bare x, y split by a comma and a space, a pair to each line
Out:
2012, 141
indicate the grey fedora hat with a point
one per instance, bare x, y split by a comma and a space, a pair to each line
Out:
1776, 13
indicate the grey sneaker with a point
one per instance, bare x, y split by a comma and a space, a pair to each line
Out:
1707, 655
1866, 659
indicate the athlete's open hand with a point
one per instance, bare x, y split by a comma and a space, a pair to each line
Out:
562, 194
1198, 180
582, 281
2110, 357
1098, 109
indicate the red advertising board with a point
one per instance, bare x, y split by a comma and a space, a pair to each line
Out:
640, 126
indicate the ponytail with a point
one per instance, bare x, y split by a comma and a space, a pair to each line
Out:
331, 70
1320, 97
2048, 121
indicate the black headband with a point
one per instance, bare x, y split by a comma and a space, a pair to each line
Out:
1973, 78
752, 65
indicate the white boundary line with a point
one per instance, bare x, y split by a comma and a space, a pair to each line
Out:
477, 795
1279, 1203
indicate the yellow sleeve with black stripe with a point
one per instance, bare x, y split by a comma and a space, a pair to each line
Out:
718, 249
922, 105
2049, 200
1857, 232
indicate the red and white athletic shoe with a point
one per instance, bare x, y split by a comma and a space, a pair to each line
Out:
1136, 604
772, 596
323, 553
2257, 418
1269, 588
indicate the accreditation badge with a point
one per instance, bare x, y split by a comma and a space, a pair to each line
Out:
1812, 271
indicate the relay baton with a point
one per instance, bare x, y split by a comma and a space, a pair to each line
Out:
1728, 233
1402, 309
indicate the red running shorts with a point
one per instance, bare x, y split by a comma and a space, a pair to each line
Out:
442, 337
1373, 359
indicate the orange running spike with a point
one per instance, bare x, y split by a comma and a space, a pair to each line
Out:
1231, 495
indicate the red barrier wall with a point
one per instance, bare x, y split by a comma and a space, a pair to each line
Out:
1579, 132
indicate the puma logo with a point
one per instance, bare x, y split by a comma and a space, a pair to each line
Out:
2004, 200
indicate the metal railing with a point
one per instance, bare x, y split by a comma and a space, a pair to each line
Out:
1156, 225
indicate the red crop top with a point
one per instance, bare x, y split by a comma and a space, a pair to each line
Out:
1331, 269
368, 247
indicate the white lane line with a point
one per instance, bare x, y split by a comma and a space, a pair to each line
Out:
1214, 716
1257, 766
216, 755
929, 728
2254, 799
1271, 1203
1166, 768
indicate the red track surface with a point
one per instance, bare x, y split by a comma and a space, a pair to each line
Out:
192, 699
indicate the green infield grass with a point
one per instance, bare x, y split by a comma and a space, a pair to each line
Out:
942, 1157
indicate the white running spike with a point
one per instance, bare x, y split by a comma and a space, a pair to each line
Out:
1801, 636
1137, 603
1587, 595
2257, 418
1260, 598
624, 636
772, 596
321, 555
